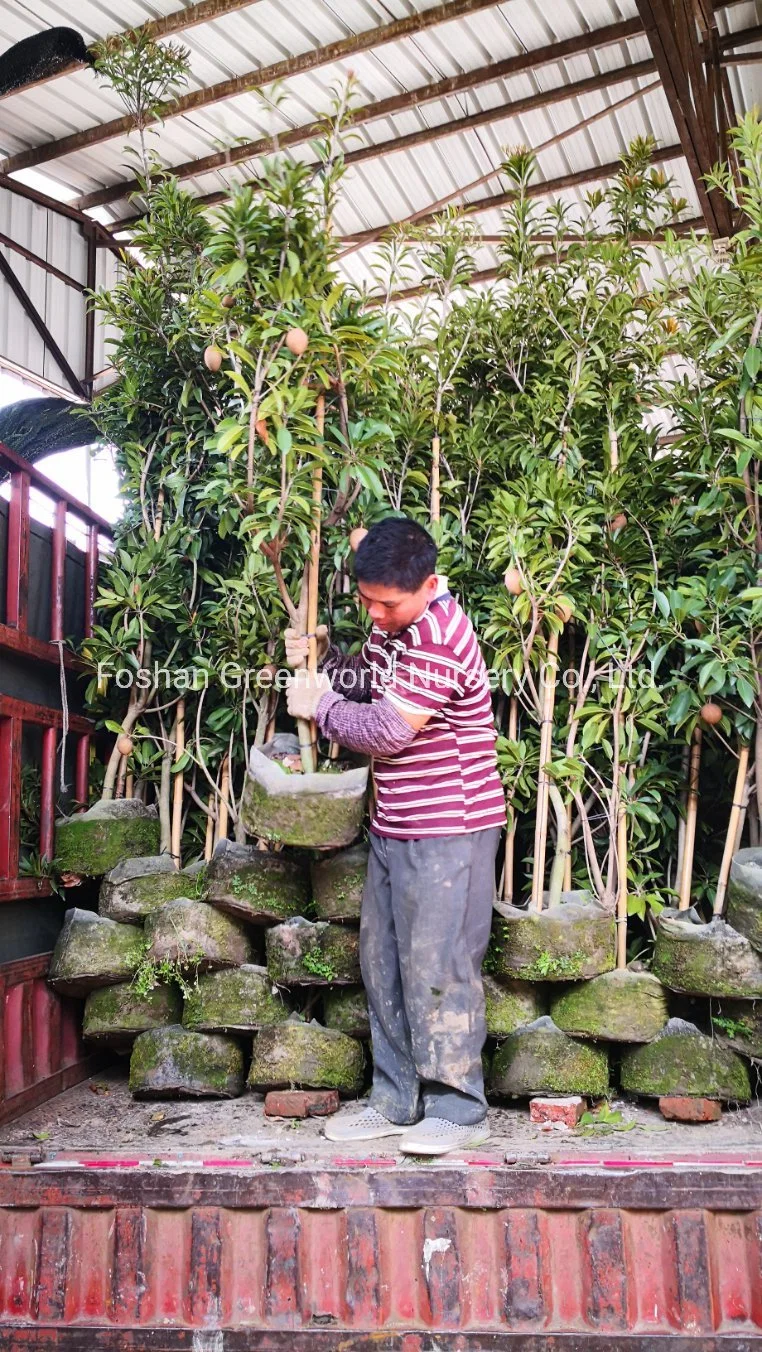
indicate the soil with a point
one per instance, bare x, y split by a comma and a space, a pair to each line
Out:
100, 1118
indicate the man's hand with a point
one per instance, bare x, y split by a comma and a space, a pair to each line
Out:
298, 645
304, 692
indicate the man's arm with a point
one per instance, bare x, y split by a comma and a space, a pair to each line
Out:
378, 729
349, 675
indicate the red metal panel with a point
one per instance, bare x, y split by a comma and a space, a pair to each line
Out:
57, 573
350, 1259
10, 793
17, 576
48, 792
41, 1048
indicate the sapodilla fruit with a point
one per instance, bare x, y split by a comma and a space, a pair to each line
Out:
564, 612
711, 713
512, 580
618, 522
124, 745
228, 302
212, 358
356, 538
297, 342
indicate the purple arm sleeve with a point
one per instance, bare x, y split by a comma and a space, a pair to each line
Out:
351, 675
375, 730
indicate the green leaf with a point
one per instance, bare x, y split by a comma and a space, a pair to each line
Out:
752, 360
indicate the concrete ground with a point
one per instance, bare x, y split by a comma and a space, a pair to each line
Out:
100, 1118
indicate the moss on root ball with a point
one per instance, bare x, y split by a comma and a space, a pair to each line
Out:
302, 953
338, 882
745, 895
257, 886
116, 1014
567, 943
91, 951
511, 1004
346, 1009
93, 842
695, 958
235, 1000
176, 1063
622, 1006
307, 1056
683, 1061
193, 934
540, 1059
137, 887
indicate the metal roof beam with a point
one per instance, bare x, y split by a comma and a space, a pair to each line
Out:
33, 314
679, 55
397, 103
253, 79
176, 22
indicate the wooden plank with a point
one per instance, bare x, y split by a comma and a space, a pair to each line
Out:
252, 79
10, 792
24, 645
397, 103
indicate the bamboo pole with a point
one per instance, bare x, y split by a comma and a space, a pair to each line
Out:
221, 830
621, 858
178, 786
746, 799
307, 730
510, 839
547, 695
731, 837
686, 877
129, 785
685, 767
209, 837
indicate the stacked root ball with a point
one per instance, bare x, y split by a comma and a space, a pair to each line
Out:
173, 970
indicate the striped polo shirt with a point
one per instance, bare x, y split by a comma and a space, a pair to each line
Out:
445, 781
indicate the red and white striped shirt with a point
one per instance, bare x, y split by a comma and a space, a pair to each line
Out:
445, 781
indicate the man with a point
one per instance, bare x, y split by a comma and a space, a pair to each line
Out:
417, 700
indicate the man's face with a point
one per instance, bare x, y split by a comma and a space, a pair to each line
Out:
393, 610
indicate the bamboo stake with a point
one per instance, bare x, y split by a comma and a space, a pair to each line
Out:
308, 731
436, 446
129, 785
685, 764
621, 856
209, 837
510, 839
730, 839
690, 822
548, 694
744, 810
178, 785
221, 832
568, 858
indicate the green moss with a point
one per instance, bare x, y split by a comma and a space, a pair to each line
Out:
338, 883
699, 959
566, 943
346, 1009
620, 1006
238, 999
92, 843
510, 1004
737, 1024
91, 951
183, 929
173, 1062
315, 821
304, 953
116, 1014
745, 895
308, 1056
259, 886
540, 1059
681, 1060
131, 899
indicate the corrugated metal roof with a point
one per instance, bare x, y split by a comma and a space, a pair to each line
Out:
377, 190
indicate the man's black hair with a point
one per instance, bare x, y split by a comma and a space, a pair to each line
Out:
396, 552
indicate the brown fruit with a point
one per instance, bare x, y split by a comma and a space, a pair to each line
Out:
356, 538
711, 713
124, 745
212, 358
262, 432
228, 302
699, 626
564, 612
297, 342
618, 522
512, 580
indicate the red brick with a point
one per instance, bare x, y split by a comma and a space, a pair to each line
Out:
690, 1109
567, 1110
301, 1102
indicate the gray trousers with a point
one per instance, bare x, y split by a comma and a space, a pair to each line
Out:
424, 930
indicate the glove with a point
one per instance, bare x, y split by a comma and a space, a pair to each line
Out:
304, 692
297, 645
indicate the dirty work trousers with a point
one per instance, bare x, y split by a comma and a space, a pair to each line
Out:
424, 929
